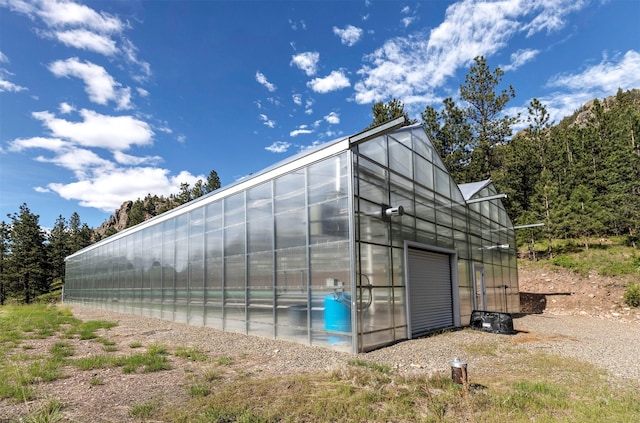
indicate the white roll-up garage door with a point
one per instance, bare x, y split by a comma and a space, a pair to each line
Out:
429, 291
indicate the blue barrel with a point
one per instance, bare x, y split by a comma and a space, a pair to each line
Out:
337, 312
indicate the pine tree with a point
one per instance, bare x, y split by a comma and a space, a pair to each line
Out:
5, 275
384, 112
58, 247
451, 136
28, 259
485, 112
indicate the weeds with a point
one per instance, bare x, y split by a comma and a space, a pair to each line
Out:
50, 412
144, 410
192, 354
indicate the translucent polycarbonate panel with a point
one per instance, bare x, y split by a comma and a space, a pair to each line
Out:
196, 293
402, 193
196, 221
425, 204
234, 209
372, 182
234, 292
443, 182
213, 244
260, 234
456, 195
329, 221
377, 309
444, 237
234, 240
375, 261
465, 290
260, 293
291, 293
213, 216
403, 229
400, 312
290, 191
397, 266
443, 211
259, 202
371, 226
493, 207
182, 263
168, 276
196, 247
475, 223
327, 179
461, 244
375, 149
156, 292
261, 270
402, 137
422, 145
330, 280
459, 218
425, 232
181, 229
291, 228
213, 289
400, 158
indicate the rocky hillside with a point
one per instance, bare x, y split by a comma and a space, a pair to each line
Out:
131, 213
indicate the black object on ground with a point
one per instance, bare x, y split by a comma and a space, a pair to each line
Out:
492, 321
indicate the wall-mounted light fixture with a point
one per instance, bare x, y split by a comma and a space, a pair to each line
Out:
393, 211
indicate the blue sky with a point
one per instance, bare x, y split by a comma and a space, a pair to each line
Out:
106, 101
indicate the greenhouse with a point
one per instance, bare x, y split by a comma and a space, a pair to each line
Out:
357, 244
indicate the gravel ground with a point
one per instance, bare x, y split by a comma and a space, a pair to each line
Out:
611, 345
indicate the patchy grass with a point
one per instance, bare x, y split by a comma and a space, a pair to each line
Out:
518, 385
192, 354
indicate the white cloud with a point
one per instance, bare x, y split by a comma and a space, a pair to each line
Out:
307, 62
552, 15
262, 80
87, 40
99, 85
349, 35
415, 65
5, 85
266, 121
65, 13
278, 147
519, 58
302, 129
66, 108
142, 92
597, 81
109, 188
605, 77
336, 80
407, 21
129, 160
333, 118
97, 130
405, 10
82, 162
52, 144
297, 99
8, 86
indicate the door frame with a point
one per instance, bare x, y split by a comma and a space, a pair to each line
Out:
478, 269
